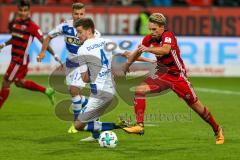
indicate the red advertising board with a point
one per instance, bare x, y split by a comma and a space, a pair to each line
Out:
121, 20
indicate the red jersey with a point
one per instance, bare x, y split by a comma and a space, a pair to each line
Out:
172, 62
23, 32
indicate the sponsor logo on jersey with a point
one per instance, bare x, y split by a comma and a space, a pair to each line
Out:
23, 27
14, 34
97, 45
72, 40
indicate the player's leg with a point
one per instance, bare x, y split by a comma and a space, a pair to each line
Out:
149, 85
206, 115
140, 102
76, 105
31, 85
94, 136
97, 126
7, 80
75, 83
99, 104
184, 89
93, 110
4, 91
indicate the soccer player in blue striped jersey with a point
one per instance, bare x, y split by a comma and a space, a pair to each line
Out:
73, 77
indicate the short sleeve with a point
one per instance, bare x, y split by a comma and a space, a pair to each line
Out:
36, 32
146, 41
168, 38
56, 31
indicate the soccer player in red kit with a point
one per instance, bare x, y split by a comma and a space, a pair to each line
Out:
170, 74
23, 32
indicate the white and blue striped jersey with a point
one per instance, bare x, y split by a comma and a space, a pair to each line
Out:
71, 40
94, 57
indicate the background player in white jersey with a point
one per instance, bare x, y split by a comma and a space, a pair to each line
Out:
73, 78
95, 68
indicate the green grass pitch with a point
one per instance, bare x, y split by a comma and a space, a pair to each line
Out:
30, 130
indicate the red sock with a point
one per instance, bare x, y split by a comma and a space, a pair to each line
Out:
3, 96
28, 84
139, 107
207, 116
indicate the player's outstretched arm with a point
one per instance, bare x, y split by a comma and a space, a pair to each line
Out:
165, 49
142, 59
45, 44
45, 47
5, 44
127, 54
131, 58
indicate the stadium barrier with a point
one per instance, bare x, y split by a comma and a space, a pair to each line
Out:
203, 56
193, 21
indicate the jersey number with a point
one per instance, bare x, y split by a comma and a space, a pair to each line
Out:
104, 59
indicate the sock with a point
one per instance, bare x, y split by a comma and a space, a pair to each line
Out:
207, 116
100, 126
28, 84
84, 101
139, 106
3, 95
76, 106
95, 134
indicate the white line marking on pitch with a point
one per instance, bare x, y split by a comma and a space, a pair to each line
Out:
218, 91
150, 125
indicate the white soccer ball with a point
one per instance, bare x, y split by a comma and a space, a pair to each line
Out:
108, 139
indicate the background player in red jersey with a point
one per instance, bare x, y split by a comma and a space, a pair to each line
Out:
170, 74
23, 32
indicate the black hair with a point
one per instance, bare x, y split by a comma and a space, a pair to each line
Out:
86, 23
24, 3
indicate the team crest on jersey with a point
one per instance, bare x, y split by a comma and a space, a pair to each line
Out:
168, 40
69, 31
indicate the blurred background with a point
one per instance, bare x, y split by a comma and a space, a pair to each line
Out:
208, 30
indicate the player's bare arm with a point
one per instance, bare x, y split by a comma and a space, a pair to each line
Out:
5, 44
165, 49
127, 54
131, 58
45, 46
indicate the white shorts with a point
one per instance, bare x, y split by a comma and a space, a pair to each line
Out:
73, 77
97, 106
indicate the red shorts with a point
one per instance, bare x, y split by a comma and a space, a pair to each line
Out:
16, 72
178, 83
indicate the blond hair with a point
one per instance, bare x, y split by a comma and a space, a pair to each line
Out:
158, 18
78, 6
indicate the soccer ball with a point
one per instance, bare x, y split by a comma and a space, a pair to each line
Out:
108, 139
